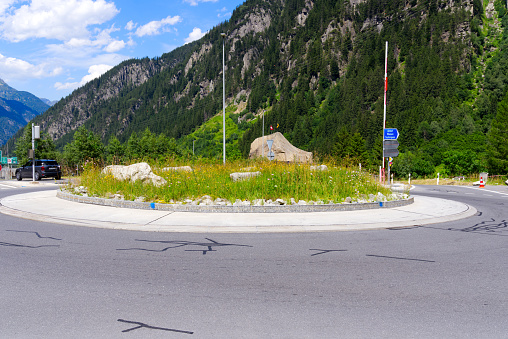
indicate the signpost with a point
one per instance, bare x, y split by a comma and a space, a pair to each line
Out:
390, 148
390, 134
36, 134
390, 145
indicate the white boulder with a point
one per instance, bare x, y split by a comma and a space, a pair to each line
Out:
178, 169
319, 168
243, 175
282, 149
140, 171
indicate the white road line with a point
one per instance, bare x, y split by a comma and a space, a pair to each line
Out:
6, 186
484, 190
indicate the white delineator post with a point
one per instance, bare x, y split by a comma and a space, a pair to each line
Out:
384, 109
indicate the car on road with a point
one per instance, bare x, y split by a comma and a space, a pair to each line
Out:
44, 168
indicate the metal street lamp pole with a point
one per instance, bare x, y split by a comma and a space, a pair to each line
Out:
33, 150
223, 100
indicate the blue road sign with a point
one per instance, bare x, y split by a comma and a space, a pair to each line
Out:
390, 134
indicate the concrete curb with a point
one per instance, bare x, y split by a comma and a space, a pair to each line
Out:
233, 209
46, 207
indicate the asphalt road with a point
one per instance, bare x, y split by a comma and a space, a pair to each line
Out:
436, 281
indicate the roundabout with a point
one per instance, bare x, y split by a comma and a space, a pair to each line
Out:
46, 206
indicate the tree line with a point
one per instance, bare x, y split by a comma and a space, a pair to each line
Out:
87, 146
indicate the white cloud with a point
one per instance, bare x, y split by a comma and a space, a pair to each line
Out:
195, 2
130, 25
157, 27
68, 85
223, 13
83, 48
196, 34
115, 46
94, 71
13, 68
5, 5
55, 19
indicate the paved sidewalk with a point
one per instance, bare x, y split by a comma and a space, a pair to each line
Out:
45, 206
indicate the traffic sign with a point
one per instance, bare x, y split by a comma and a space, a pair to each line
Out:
389, 144
391, 153
390, 134
271, 155
270, 143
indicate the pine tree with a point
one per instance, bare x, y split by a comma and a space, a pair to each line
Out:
44, 147
497, 149
85, 146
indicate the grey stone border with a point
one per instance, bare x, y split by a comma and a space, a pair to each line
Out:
233, 209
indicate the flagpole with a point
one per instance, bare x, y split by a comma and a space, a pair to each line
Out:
384, 108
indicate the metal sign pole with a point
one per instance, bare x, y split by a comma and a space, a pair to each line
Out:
33, 154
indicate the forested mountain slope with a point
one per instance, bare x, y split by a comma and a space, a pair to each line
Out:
317, 69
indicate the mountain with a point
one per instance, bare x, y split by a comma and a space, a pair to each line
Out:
27, 99
17, 108
49, 102
317, 68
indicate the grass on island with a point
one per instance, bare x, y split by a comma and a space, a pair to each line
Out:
277, 181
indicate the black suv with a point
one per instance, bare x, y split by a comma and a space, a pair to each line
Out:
44, 168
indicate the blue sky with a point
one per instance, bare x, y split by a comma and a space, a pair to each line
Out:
51, 47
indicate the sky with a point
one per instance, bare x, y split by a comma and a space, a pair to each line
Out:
51, 47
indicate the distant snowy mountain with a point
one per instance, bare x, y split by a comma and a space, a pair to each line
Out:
49, 102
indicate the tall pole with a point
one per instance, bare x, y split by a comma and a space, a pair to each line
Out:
263, 138
223, 100
384, 110
33, 150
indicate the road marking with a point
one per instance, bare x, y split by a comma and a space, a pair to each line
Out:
4, 187
484, 190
